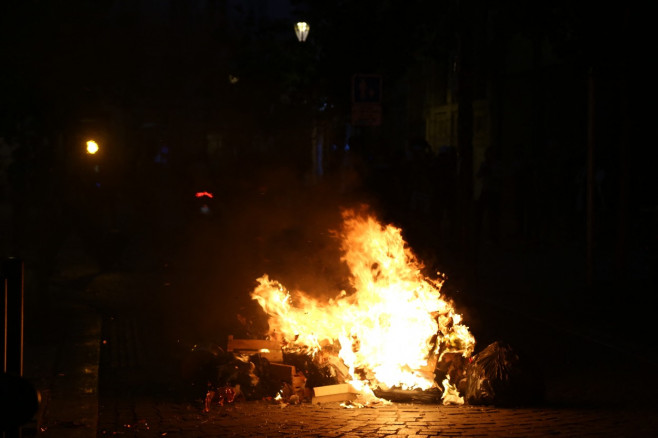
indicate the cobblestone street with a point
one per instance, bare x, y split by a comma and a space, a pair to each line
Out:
263, 419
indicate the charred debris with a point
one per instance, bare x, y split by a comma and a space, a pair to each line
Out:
251, 369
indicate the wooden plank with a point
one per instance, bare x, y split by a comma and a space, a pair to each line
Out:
273, 356
270, 350
341, 388
346, 396
258, 345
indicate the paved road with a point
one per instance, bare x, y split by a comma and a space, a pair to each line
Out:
146, 418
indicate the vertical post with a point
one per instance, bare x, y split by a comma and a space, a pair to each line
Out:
622, 215
12, 340
590, 181
11, 275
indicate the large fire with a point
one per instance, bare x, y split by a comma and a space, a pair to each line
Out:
389, 331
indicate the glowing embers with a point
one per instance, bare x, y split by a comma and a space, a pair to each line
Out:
389, 331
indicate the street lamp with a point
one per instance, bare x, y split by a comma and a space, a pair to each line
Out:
92, 147
301, 30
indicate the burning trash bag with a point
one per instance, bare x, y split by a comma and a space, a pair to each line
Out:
207, 367
498, 376
215, 375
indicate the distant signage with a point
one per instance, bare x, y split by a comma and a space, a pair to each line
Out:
366, 100
366, 88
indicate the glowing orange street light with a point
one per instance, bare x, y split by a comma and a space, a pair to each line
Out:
301, 30
92, 147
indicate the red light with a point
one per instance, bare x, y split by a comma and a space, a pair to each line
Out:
203, 194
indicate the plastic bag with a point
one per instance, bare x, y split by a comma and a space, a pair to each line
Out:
497, 376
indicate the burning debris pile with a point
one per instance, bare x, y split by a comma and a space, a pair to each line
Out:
392, 336
389, 332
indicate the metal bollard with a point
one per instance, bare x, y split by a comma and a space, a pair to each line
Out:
19, 400
12, 310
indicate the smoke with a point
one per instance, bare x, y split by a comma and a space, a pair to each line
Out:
270, 220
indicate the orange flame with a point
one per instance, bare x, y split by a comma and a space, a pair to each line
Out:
390, 331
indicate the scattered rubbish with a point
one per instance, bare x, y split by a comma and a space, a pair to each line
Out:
494, 376
498, 376
451, 393
222, 395
417, 396
246, 372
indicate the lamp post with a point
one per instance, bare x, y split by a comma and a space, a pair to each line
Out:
301, 30
317, 139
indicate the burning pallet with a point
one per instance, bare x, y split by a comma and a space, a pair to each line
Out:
270, 350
